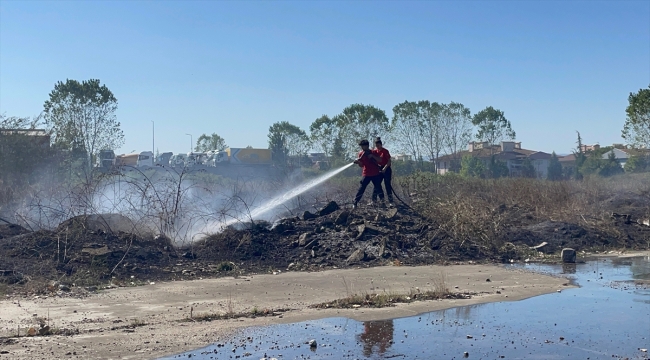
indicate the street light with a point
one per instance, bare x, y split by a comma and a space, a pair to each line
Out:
191, 142
153, 137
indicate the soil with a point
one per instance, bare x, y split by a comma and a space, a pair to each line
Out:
86, 252
146, 322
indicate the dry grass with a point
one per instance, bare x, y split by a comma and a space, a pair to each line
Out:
378, 300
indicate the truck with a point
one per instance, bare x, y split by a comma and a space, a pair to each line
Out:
106, 159
242, 156
145, 158
127, 159
163, 159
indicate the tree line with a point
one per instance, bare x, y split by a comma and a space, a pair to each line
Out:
81, 118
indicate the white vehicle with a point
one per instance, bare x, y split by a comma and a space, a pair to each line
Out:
194, 158
213, 157
145, 159
177, 160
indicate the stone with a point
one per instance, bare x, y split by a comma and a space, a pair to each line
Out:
391, 213
312, 343
308, 216
31, 332
331, 207
356, 256
302, 240
65, 288
568, 255
45, 330
342, 218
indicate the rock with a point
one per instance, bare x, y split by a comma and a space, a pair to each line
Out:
372, 252
391, 213
31, 332
470, 337
308, 216
312, 343
356, 256
65, 288
465, 354
568, 255
331, 207
45, 330
302, 240
342, 218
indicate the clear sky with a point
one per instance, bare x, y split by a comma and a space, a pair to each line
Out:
236, 67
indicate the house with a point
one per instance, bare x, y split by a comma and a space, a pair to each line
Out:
620, 155
568, 163
509, 152
402, 157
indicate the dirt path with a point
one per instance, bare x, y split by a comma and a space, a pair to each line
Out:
102, 318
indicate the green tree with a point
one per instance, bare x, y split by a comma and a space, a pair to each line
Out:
527, 169
324, 131
287, 141
554, 168
580, 158
601, 162
636, 130
81, 116
493, 127
206, 143
471, 166
610, 166
358, 122
497, 168
636, 164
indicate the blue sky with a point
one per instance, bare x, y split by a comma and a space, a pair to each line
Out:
235, 68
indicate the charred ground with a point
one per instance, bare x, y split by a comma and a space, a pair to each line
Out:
448, 222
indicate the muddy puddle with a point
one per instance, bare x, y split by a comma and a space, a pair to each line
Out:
607, 317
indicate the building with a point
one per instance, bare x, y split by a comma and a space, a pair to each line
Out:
402, 157
509, 152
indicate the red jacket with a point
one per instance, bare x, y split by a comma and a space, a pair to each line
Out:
370, 167
383, 154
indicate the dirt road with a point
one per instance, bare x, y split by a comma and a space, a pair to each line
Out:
146, 321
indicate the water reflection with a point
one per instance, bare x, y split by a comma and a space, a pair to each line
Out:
376, 336
568, 268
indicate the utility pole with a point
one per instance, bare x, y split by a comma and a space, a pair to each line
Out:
153, 138
191, 142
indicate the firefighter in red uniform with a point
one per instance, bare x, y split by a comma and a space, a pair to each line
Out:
370, 164
385, 169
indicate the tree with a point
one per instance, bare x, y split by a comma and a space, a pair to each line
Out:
636, 130
580, 157
287, 140
493, 127
497, 169
431, 131
81, 116
359, 122
15, 122
456, 127
407, 126
206, 143
323, 133
471, 166
636, 164
554, 172
597, 164
527, 169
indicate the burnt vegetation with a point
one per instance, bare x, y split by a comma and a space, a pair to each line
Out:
444, 219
